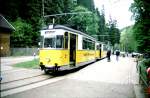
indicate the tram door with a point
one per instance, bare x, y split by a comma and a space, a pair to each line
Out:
72, 49
100, 49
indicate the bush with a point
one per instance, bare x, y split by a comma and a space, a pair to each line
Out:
146, 62
24, 36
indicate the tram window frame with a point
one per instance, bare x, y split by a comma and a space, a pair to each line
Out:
54, 43
47, 44
98, 47
88, 44
59, 42
66, 40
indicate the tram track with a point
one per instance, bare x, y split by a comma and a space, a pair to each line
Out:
17, 78
21, 74
8, 85
23, 82
4, 82
21, 85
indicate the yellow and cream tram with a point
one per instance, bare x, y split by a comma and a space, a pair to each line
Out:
66, 48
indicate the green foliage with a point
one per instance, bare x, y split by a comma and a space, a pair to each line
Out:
57, 7
31, 18
113, 32
89, 4
10, 8
142, 35
28, 64
102, 26
141, 10
23, 36
127, 41
146, 62
85, 22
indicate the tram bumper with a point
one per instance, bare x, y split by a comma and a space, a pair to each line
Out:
49, 67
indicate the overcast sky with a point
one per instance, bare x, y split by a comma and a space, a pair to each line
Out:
118, 9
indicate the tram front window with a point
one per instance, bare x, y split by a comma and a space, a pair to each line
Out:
54, 42
49, 42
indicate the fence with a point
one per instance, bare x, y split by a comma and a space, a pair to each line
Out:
23, 51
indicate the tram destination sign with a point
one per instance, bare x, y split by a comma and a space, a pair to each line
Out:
49, 32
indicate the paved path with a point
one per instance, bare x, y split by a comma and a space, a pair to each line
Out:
121, 72
115, 79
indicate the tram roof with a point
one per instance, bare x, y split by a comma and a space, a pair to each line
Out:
72, 30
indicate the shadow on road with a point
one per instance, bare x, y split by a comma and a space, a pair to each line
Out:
68, 71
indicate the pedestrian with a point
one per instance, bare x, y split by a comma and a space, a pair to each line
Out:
108, 55
0, 78
117, 54
34, 54
127, 54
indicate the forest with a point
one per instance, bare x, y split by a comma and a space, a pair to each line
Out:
141, 30
27, 17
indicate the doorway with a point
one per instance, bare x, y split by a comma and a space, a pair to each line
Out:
72, 49
100, 49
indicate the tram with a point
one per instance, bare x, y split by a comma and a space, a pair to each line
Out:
65, 48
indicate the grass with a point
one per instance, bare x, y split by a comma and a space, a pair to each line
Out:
28, 64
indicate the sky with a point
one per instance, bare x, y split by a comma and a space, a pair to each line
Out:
118, 10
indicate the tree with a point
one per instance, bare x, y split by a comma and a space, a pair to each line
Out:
141, 30
58, 7
22, 36
127, 40
113, 32
89, 4
84, 22
31, 17
10, 9
30, 13
102, 25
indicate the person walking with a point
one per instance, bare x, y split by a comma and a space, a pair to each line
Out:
108, 55
117, 54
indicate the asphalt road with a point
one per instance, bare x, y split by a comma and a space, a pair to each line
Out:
115, 79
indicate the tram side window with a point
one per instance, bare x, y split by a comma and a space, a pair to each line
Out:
66, 40
88, 44
91, 45
59, 41
98, 47
84, 44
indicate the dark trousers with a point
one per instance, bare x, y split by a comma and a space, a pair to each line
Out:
108, 58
